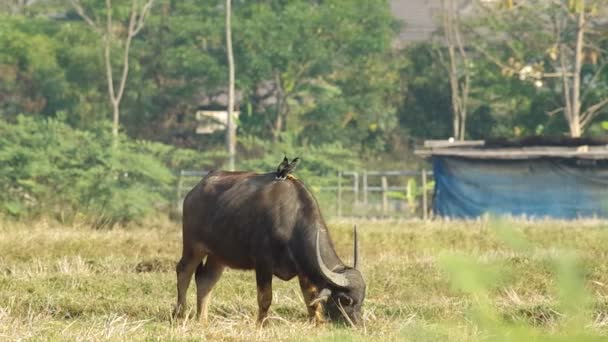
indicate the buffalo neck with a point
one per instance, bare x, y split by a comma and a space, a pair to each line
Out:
304, 245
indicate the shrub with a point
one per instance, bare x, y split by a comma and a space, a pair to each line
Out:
50, 168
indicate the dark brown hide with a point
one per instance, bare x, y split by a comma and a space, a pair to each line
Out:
246, 221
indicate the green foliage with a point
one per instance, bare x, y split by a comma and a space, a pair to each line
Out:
480, 280
319, 163
329, 64
536, 45
328, 69
413, 192
176, 158
31, 80
52, 169
425, 110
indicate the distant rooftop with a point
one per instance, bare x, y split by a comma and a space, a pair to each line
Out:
420, 17
524, 148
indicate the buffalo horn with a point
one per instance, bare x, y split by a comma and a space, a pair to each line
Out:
322, 297
336, 279
356, 249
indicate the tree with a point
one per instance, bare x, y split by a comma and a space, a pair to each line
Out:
571, 63
32, 81
179, 64
230, 129
554, 44
312, 73
425, 109
320, 72
137, 18
457, 67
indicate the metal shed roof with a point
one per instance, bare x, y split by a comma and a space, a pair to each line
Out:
479, 149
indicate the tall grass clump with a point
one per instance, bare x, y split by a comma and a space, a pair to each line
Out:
567, 317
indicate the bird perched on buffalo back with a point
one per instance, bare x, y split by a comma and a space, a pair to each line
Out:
283, 165
285, 168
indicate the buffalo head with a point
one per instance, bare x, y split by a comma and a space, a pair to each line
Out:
343, 298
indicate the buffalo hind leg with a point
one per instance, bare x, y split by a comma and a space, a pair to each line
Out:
184, 269
263, 277
206, 277
310, 292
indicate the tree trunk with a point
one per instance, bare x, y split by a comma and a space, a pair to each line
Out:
575, 122
136, 23
278, 126
109, 77
463, 123
230, 131
456, 120
459, 89
115, 120
279, 121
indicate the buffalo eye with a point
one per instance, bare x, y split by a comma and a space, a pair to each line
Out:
345, 300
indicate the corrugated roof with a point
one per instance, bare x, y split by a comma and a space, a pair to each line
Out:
588, 149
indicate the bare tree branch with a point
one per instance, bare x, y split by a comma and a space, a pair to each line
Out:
555, 111
145, 10
127, 48
565, 8
80, 10
107, 51
136, 23
593, 79
465, 84
570, 29
566, 88
592, 112
576, 82
458, 65
492, 58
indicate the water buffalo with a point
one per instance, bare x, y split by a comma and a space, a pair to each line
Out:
274, 226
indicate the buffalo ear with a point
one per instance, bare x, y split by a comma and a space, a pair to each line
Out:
322, 297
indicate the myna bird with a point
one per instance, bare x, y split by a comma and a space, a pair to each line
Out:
285, 168
283, 165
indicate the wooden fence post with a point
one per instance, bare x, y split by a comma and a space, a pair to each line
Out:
339, 193
425, 211
384, 196
356, 187
365, 188
178, 190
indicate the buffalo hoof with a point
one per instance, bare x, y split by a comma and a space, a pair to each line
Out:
178, 312
261, 323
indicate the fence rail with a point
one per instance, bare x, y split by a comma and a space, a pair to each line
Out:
378, 200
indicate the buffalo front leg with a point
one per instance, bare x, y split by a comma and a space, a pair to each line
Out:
184, 269
310, 292
206, 277
263, 279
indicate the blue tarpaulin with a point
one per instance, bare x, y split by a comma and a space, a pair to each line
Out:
542, 187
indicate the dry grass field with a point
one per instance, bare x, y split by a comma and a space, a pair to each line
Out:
458, 281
